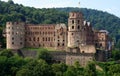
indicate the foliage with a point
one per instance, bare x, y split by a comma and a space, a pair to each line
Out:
44, 54
6, 53
90, 69
14, 65
116, 54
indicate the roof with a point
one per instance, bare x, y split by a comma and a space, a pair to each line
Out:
104, 31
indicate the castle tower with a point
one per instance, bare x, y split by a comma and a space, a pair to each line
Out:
75, 29
15, 35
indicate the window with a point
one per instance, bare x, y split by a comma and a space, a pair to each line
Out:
12, 38
78, 21
43, 38
8, 27
46, 38
20, 43
49, 39
72, 27
82, 51
34, 39
72, 21
100, 44
58, 37
38, 39
73, 14
78, 27
12, 32
12, 42
29, 39
63, 44
20, 38
58, 44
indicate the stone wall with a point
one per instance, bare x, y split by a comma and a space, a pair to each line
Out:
82, 58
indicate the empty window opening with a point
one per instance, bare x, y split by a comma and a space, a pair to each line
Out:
72, 27
72, 21
58, 44
78, 27
78, 21
12, 42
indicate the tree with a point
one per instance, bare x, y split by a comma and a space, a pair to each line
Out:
71, 71
6, 53
90, 69
116, 54
10, 2
24, 72
59, 69
114, 70
37, 68
44, 54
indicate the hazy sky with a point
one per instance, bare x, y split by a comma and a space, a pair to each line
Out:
111, 6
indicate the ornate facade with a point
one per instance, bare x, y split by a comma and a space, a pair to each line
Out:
79, 39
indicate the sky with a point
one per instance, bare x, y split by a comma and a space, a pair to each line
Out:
110, 6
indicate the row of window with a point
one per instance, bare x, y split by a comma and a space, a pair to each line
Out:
39, 33
15, 33
13, 43
20, 28
60, 44
14, 38
40, 28
38, 39
73, 21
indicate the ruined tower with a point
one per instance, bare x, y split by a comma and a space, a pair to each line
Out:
15, 35
75, 29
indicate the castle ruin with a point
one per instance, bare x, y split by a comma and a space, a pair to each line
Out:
78, 39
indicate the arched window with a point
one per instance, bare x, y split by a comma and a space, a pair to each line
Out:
58, 44
72, 27
72, 21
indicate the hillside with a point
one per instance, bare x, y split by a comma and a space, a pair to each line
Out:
9, 11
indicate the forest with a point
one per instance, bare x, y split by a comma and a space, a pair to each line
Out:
15, 65
9, 11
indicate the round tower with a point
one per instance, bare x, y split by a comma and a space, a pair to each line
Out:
15, 35
75, 27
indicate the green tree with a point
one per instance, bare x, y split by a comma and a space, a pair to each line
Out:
71, 71
24, 72
90, 69
6, 53
45, 55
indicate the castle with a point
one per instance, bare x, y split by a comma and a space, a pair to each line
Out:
78, 39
